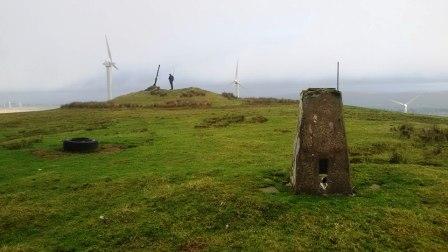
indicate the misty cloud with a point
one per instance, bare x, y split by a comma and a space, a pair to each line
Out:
52, 45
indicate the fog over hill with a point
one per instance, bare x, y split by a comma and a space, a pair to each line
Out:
372, 95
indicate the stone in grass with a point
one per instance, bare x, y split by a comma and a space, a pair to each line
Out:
375, 187
269, 189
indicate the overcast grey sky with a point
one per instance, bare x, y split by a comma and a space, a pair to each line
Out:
50, 45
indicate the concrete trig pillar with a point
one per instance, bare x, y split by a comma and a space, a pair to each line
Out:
321, 164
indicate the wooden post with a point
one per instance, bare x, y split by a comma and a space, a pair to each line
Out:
157, 76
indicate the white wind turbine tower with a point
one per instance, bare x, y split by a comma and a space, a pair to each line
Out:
405, 105
236, 81
108, 63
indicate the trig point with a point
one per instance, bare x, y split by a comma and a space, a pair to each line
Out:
321, 164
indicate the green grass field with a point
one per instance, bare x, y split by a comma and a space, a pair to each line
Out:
161, 181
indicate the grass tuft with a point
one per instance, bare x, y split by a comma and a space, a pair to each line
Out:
434, 134
21, 143
397, 158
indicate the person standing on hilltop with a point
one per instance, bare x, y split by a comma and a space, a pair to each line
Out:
171, 79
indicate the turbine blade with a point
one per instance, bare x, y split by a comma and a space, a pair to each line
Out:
108, 48
397, 102
114, 65
236, 70
411, 100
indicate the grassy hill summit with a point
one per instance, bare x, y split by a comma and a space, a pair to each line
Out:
191, 97
215, 177
185, 97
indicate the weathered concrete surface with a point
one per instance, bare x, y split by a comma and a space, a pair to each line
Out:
321, 164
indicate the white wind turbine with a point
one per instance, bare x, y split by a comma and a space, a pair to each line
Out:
108, 63
405, 105
236, 81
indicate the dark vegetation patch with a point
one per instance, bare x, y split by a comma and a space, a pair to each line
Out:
397, 158
268, 101
111, 105
378, 153
434, 134
427, 135
21, 143
192, 92
257, 119
228, 95
431, 141
278, 176
33, 132
158, 92
356, 160
404, 130
91, 104
193, 245
184, 103
54, 128
222, 121
98, 125
226, 120
372, 149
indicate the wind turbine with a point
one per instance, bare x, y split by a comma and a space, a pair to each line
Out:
405, 105
108, 63
236, 81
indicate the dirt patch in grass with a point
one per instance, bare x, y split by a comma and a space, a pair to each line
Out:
226, 120
193, 245
111, 148
58, 153
48, 154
